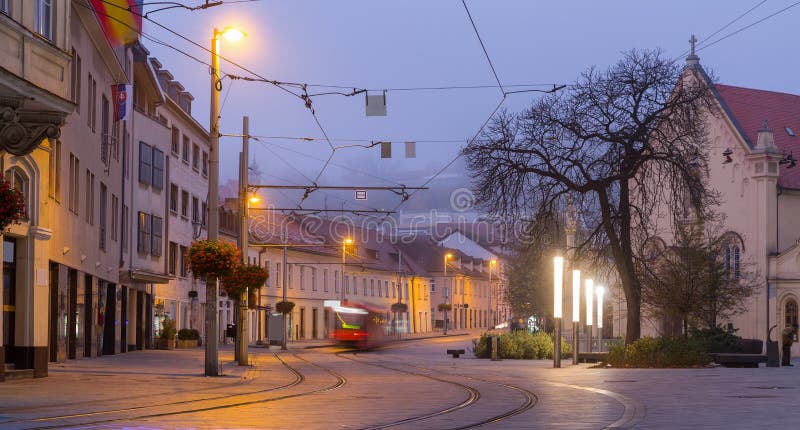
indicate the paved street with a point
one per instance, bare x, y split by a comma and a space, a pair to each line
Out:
407, 385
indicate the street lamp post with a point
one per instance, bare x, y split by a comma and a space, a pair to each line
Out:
346, 242
212, 285
244, 230
599, 291
446, 291
589, 315
576, 312
492, 263
558, 281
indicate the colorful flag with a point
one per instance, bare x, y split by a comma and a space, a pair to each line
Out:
121, 19
120, 93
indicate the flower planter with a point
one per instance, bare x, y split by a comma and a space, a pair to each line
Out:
186, 343
165, 344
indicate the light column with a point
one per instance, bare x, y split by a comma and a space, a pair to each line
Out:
589, 315
599, 291
558, 286
576, 312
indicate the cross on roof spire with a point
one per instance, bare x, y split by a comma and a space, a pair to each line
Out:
693, 41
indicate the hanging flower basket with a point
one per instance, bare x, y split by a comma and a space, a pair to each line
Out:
445, 307
12, 205
244, 278
212, 258
465, 305
284, 307
399, 307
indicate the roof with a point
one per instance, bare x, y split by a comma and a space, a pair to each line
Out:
749, 108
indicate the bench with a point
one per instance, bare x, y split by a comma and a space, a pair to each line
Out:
590, 357
455, 352
734, 359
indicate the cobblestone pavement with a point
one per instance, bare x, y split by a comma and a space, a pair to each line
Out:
407, 385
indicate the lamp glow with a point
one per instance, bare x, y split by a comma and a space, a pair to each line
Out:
576, 295
558, 285
600, 291
254, 198
233, 34
589, 301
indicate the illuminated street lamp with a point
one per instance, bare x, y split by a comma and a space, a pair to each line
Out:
589, 304
558, 286
212, 285
576, 312
446, 289
492, 322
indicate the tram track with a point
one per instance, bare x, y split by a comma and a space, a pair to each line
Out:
474, 395
299, 378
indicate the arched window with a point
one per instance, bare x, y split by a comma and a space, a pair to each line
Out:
735, 262
790, 313
19, 181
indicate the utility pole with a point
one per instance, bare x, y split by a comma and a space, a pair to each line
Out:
212, 288
241, 321
283, 342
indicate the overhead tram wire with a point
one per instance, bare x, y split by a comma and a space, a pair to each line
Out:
776, 13
728, 24
486, 53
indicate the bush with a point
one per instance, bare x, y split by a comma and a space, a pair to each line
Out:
284, 307
188, 334
659, 352
718, 339
167, 329
444, 307
519, 345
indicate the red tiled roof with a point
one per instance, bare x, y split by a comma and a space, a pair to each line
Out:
749, 109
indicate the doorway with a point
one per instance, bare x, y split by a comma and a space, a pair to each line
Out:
302, 333
109, 320
88, 315
314, 323
9, 296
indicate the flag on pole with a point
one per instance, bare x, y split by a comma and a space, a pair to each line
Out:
121, 19
120, 93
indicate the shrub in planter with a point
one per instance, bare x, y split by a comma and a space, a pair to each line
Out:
718, 339
212, 258
188, 338
519, 345
659, 352
166, 340
12, 205
444, 307
399, 307
284, 307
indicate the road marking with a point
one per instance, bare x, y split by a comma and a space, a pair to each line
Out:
633, 411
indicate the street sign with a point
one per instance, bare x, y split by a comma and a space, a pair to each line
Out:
361, 194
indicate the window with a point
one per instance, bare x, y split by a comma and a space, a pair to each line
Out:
43, 16
205, 164
114, 216
89, 197
195, 210
124, 235
184, 261
54, 183
313, 279
203, 212
173, 198
736, 262
157, 235
76, 75
145, 163
302, 278
89, 100
335, 281
103, 199
94, 104
74, 183
325, 280
278, 275
143, 244
186, 149
790, 313
394, 291
372, 287
114, 140
184, 203
173, 258
196, 158
19, 181
385, 288
176, 140
104, 136
158, 169
289, 268
364, 286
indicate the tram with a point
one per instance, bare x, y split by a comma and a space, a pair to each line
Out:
360, 325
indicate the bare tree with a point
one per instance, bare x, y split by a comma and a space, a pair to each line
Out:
611, 140
699, 279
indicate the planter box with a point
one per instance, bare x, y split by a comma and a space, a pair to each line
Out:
165, 344
184, 344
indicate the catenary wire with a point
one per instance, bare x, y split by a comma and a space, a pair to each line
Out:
485, 52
